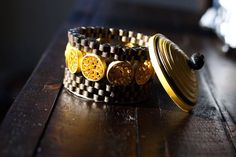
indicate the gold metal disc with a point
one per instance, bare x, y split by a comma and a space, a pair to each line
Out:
67, 53
143, 72
73, 56
171, 66
120, 73
93, 67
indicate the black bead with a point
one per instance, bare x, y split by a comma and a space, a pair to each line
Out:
197, 61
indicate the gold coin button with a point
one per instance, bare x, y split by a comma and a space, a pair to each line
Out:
143, 72
129, 45
67, 53
73, 57
120, 73
93, 67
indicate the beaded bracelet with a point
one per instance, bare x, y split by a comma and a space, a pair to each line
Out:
107, 64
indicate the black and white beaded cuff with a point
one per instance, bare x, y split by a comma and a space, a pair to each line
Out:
107, 64
102, 91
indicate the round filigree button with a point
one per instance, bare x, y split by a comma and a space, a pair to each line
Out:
93, 67
120, 73
67, 52
73, 56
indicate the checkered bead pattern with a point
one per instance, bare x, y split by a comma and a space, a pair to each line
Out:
102, 91
84, 38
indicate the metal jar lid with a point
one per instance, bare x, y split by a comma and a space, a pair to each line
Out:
175, 71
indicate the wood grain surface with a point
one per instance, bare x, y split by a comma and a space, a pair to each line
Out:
46, 120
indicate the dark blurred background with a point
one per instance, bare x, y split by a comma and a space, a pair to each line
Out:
27, 28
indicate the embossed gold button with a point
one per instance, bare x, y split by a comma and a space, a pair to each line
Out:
120, 73
93, 67
129, 44
67, 52
73, 57
143, 72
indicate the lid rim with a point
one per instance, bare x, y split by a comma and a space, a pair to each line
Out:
171, 81
167, 82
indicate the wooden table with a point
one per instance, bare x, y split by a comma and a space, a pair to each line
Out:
45, 120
